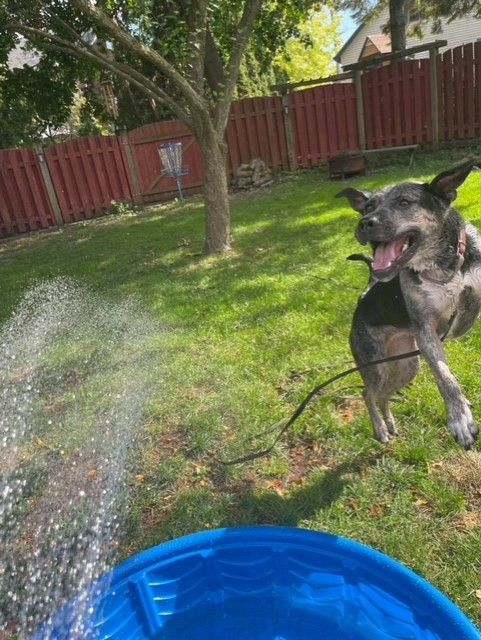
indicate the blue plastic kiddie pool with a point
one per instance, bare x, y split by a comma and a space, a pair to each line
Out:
272, 583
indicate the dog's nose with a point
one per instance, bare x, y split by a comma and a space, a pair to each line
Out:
368, 222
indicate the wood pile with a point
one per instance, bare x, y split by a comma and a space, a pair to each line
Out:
253, 175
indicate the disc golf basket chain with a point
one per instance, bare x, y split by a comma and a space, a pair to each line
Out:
171, 158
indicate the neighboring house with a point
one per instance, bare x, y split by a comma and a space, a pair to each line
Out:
19, 57
369, 39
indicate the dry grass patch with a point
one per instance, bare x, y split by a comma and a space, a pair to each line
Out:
463, 472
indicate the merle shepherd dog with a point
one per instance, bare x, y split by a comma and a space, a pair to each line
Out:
425, 285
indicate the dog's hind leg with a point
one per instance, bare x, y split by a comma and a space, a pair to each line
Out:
381, 430
399, 374
384, 380
368, 344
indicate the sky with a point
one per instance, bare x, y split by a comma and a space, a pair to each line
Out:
348, 25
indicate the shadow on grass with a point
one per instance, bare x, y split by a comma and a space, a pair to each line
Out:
326, 488
230, 504
158, 260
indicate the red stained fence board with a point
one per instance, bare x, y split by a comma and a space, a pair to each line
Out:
145, 142
24, 204
397, 104
324, 122
460, 74
88, 175
256, 130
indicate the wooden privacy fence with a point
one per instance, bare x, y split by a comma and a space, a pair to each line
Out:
24, 200
397, 101
405, 102
87, 175
324, 123
459, 80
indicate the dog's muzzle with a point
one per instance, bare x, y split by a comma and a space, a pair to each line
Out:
370, 229
391, 250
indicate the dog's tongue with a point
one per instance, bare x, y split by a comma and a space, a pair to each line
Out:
386, 253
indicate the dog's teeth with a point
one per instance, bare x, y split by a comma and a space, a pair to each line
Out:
405, 245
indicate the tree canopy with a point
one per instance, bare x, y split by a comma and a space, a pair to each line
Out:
311, 54
168, 27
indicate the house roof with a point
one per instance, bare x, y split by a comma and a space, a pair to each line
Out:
381, 41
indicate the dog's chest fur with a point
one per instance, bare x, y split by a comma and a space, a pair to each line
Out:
440, 302
411, 298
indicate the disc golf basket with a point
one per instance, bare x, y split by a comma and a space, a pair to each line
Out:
171, 158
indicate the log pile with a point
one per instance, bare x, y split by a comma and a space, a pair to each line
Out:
253, 175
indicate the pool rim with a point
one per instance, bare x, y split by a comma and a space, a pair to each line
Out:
206, 541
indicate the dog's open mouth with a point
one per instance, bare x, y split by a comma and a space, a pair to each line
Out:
390, 256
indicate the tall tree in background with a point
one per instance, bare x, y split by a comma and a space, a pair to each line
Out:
398, 22
311, 54
182, 54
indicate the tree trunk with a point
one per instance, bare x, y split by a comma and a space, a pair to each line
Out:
217, 237
398, 18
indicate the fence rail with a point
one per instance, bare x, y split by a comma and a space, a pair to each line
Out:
392, 105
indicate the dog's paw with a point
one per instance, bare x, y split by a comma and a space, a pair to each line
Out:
463, 426
381, 435
391, 426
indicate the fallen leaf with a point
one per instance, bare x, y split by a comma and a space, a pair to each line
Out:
353, 504
421, 503
376, 510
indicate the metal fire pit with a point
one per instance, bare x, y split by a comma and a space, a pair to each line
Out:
345, 164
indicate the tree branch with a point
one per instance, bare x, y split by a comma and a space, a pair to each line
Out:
197, 18
244, 28
214, 69
193, 99
120, 69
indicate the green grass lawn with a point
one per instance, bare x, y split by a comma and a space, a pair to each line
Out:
244, 337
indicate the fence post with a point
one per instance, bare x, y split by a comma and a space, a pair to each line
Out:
289, 129
47, 179
435, 102
132, 167
361, 126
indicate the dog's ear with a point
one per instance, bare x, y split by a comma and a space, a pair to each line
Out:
357, 199
446, 183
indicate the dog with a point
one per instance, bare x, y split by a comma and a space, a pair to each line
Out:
425, 285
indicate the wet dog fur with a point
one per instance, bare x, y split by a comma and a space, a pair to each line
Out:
425, 284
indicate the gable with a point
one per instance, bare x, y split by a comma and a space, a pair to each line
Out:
375, 45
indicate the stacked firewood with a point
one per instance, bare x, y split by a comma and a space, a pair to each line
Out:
253, 175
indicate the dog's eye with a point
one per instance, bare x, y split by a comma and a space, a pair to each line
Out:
404, 203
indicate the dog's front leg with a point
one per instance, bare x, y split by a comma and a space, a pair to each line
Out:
459, 416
